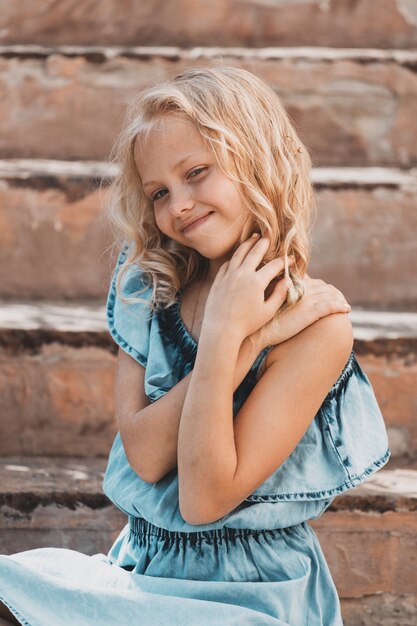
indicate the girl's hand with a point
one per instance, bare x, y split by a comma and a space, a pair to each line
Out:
236, 303
320, 299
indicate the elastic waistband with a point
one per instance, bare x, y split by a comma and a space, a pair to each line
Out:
141, 528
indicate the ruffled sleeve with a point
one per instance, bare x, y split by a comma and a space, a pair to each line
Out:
345, 443
129, 323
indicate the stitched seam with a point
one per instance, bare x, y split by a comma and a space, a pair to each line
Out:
17, 615
318, 495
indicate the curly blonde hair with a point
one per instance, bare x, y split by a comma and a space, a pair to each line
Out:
255, 144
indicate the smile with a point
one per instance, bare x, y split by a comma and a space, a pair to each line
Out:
197, 223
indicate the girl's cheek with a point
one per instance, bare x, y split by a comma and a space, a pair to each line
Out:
164, 223
159, 221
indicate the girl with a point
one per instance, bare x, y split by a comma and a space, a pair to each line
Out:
241, 407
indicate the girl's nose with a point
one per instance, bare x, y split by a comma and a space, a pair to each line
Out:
180, 202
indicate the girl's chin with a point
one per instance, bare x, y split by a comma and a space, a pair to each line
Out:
215, 254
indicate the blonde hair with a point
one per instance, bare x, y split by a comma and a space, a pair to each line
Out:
255, 144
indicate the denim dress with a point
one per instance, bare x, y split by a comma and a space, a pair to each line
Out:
259, 564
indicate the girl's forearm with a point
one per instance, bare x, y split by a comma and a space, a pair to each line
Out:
154, 429
207, 457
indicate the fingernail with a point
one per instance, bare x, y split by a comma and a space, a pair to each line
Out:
255, 235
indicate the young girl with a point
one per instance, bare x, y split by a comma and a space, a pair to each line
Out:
241, 407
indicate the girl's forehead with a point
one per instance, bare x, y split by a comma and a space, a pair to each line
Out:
168, 133
167, 125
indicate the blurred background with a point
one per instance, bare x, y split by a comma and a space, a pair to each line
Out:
346, 72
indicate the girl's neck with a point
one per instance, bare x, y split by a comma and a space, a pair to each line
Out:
193, 302
214, 266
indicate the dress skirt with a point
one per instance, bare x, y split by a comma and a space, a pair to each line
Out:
153, 576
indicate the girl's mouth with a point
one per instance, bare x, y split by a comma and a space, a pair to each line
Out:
197, 223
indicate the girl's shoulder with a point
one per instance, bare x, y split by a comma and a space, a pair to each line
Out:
338, 322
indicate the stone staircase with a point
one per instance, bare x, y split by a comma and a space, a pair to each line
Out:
347, 73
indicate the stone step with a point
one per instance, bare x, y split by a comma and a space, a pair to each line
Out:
55, 243
368, 537
350, 106
368, 534
55, 501
58, 362
220, 22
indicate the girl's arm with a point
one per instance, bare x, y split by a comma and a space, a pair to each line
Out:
150, 434
221, 459
150, 431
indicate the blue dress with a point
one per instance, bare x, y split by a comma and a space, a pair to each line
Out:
259, 564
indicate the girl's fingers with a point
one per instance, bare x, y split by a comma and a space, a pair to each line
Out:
240, 254
323, 293
324, 290
271, 269
277, 297
256, 253
323, 308
336, 295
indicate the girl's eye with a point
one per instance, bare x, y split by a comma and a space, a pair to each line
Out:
197, 171
155, 196
192, 174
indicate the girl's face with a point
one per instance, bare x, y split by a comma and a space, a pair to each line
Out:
183, 181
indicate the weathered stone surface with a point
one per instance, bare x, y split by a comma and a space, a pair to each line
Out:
56, 502
57, 400
57, 372
219, 22
382, 609
394, 380
370, 553
350, 107
45, 477
362, 242
55, 239
367, 536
